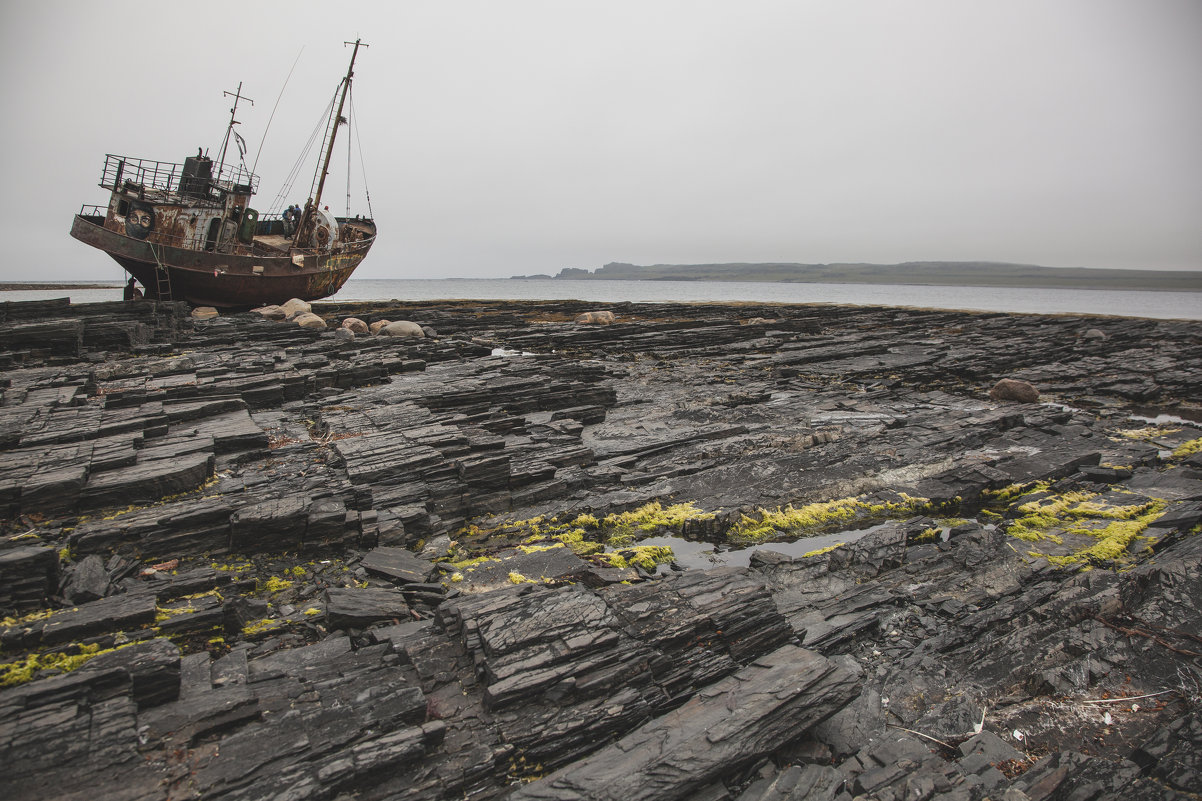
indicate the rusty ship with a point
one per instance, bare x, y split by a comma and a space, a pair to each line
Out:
186, 231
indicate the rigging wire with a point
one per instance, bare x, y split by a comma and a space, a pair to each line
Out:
331, 131
350, 115
362, 163
295, 172
267, 127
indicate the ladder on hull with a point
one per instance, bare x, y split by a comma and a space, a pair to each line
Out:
162, 278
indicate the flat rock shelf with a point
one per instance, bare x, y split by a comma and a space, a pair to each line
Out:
245, 559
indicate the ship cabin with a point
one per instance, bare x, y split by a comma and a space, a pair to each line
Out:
192, 206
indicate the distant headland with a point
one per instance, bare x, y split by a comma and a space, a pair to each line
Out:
935, 273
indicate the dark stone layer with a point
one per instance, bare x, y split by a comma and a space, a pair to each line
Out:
241, 558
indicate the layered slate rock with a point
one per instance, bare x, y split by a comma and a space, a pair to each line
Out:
735, 721
28, 577
117, 613
398, 567
357, 608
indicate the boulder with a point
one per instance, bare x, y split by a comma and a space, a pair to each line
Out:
310, 320
295, 306
1094, 333
204, 313
273, 312
595, 317
355, 325
375, 327
1011, 389
402, 328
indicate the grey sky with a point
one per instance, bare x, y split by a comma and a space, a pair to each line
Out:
523, 137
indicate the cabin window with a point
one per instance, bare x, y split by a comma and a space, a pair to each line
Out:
122, 207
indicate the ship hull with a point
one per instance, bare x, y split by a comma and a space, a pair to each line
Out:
224, 280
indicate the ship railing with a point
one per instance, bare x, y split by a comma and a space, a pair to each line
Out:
88, 210
165, 176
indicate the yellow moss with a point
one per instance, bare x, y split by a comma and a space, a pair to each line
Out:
817, 517
28, 535
518, 578
928, 535
622, 528
1013, 491
166, 613
574, 539
24, 620
23, 670
1146, 433
585, 534
648, 557
1188, 448
299, 571
262, 625
232, 568
312, 610
1038, 517
468, 564
821, 551
570, 537
1114, 528
585, 521
274, 584
538, 548
119, 512
456, 577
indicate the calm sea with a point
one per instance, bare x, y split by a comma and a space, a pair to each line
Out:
1162, 305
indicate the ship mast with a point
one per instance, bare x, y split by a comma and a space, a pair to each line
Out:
315, 202
237, 95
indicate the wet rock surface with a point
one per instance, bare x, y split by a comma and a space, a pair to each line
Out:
701, 551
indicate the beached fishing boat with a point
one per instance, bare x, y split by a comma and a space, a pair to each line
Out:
186, 231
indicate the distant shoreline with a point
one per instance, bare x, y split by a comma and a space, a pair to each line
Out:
929, 273
17, 286
984, 275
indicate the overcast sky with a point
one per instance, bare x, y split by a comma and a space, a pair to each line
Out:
522, 137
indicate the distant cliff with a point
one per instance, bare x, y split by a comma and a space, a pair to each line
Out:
947, 273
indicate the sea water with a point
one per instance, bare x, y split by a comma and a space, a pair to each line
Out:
1159, 305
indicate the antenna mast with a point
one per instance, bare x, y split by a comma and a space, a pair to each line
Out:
237, 95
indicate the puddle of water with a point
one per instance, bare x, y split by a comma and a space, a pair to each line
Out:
704, 555
1187, 415
1165, 419
1149, 414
